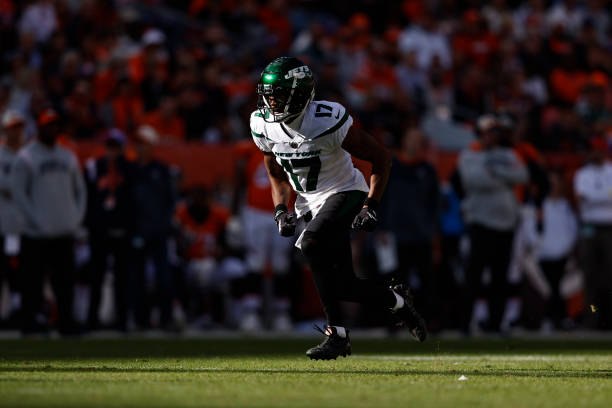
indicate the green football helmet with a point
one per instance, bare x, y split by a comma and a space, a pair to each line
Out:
284, 90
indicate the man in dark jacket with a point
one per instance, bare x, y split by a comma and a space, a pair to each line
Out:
153, 197
109, 218
409, 211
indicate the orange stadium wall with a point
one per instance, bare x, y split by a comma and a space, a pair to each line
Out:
211, 164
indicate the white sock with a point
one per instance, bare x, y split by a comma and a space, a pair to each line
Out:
340, 331
399, 302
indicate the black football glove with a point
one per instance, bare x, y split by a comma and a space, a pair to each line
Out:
367, 219
284, 220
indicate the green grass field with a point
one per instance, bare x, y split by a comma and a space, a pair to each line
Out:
275, 373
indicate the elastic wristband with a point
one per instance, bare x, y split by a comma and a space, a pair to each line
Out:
280, 209
370, 203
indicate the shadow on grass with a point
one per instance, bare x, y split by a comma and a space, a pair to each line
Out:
515, 372
78, 349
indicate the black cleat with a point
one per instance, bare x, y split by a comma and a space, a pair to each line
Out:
332, 347
408, 315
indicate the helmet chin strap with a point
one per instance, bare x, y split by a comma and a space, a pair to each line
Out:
296, 123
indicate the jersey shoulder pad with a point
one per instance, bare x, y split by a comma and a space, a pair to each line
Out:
326, 117
257, 124
258, 131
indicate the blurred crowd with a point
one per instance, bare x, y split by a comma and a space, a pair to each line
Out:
507, 241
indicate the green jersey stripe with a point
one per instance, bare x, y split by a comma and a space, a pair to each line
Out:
335, 127
260, 135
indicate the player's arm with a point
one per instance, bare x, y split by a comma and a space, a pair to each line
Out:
363, 146
281, 189
281, 194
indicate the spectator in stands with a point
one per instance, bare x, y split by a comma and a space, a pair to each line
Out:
201, 226
489, 171
81, 111
473, 42
427, 42
593, 188
549, 231
166, 122
150, 62
40, 19
48, 187
109, 219
126, 106
153, 198
591, 106
409, 212
11, 219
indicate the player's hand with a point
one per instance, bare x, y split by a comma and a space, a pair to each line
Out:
366, 220
285, 220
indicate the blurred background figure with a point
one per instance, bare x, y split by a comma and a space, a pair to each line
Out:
11, 218
153, 198
166, 122
39, 18
49, 189
489, 171
268, 280
409, 218
209, 265
593, 188
549, 232
110, 217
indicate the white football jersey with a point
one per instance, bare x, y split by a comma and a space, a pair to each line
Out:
313, 158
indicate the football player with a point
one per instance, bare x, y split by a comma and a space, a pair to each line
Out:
307, 147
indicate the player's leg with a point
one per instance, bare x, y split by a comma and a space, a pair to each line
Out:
416, 258
326, 246
318, 247
348, 286
372, 293
322, 257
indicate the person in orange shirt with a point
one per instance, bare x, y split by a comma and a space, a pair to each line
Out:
266, 250
166, 121
126, 106
474, 41
201, 226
